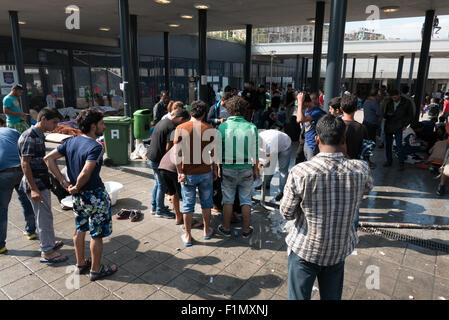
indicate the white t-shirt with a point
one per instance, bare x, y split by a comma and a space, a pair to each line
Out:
274, 141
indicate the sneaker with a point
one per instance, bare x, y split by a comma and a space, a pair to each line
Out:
135, 215
123, 214
440, 190
222, 231
3, 250
249, 233
153, 211
31, 236
166, 215
279, 196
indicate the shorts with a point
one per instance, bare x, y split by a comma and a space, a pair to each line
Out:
171, 182
237, 179
204, 182
93, 212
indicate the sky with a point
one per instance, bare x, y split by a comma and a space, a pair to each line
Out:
403, 28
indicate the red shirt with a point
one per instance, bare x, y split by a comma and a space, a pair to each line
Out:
446, 106
321, 99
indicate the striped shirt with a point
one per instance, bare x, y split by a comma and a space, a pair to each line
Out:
323, 196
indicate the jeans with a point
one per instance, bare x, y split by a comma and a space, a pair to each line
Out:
257, 118
204, 182
237, 180
302, 275
389, 146
310, 152
8, 182
158, 195
284, 161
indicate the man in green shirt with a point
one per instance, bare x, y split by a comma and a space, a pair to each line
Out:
239, 163
15, 118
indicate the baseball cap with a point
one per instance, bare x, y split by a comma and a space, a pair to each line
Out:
18, 87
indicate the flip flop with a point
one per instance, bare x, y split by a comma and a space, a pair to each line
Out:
58, 245
187, 244
54, 259
209, 236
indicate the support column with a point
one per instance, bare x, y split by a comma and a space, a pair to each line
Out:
166, 63
134, 65
343, 74
399, 75
410, 76
297, 80
317, 46
301, 81
335, 50
202, 72
249, 35
423, 59
353, 75
69, 81
306, 71
18, 58
427, 75
373, 80
123, 12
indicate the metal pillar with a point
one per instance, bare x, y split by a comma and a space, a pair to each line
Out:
202, 72
410, 76
306, 70
427, 75
335, 49
353, 75
69, 81
123, 12
166, 63
373, 80
399, 75
423, 60
249, 35
317, 45
18, 58
134, 65
297, 79
343, 74
301, 82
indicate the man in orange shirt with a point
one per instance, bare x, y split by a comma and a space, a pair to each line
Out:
194, 141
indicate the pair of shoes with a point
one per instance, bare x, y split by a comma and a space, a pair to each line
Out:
208, 237
387, 164
440, 190
249, 233
102, 273
279, 196
184, 240
31, 236
54, 259
82, 269
3, 250
222, 231
133, 215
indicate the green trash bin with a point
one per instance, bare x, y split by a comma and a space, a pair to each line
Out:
116, 139
142, 123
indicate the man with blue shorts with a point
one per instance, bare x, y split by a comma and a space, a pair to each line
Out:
193, 141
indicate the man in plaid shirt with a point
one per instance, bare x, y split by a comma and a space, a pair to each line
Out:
322, 196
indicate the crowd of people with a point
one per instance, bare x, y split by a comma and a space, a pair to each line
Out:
219, 150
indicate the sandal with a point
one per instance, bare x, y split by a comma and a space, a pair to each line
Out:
102, 273
208, 237
81, 269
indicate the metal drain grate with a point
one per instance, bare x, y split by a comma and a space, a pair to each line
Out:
428, 244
